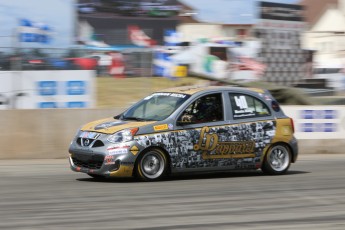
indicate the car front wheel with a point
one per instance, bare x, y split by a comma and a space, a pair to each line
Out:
277, 160
152, 165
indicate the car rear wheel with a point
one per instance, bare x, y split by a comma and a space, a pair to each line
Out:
277, 160
152, 165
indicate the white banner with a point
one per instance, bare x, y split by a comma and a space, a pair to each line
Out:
47, 89
317, 122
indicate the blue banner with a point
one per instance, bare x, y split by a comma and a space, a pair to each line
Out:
30, 31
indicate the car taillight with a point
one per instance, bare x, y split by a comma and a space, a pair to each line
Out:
292, 125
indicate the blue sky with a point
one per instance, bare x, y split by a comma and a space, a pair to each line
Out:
59, 14
229, 11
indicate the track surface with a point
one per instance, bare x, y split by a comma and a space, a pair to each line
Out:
45, 194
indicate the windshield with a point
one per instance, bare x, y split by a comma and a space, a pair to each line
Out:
156, 107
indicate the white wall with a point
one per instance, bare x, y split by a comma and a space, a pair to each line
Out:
317, 122
47, 89
194, 31
323, 38
27, 134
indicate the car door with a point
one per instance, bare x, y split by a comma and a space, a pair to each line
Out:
198, 125
252, 128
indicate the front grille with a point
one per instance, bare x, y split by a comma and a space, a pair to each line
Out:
88, 142
98, 143
95, 162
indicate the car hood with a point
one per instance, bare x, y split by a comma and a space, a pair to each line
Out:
111, 125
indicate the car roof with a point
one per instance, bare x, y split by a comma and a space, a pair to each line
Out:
195, 89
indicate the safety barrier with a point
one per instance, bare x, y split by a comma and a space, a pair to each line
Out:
47, 89
28, 134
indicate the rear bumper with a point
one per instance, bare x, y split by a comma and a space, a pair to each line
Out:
294, 149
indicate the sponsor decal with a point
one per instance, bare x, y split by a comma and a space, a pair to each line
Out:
267, 98
245, 113
160, 127
241, 147
171, 126
179, 95
212, 148
109, 160
232, 146
109, 124
117, 151
121, 145
134, 150
91, 135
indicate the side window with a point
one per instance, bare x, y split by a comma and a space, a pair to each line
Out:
245, 106
205, 109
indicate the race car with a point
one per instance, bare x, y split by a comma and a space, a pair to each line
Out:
188, 129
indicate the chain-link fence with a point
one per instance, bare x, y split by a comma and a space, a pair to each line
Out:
123, 77
127, 62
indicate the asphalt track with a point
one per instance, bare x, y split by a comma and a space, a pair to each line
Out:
45, 194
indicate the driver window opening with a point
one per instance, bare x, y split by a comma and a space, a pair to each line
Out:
205, 109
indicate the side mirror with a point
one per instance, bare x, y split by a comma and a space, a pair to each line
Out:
186, 119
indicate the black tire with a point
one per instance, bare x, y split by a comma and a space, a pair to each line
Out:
152, 165
277, 160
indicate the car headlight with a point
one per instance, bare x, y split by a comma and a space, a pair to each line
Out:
123, 135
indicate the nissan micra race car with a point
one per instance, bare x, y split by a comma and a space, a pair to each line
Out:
188, 129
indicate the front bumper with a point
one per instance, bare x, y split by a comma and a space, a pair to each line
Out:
119, 170
106, 159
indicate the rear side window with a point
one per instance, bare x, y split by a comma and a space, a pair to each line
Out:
245, 106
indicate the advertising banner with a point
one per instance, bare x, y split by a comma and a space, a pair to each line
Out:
47, 89
317, 122
279, 28
279, 11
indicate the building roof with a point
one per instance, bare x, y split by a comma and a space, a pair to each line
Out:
315, 8
223, 11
